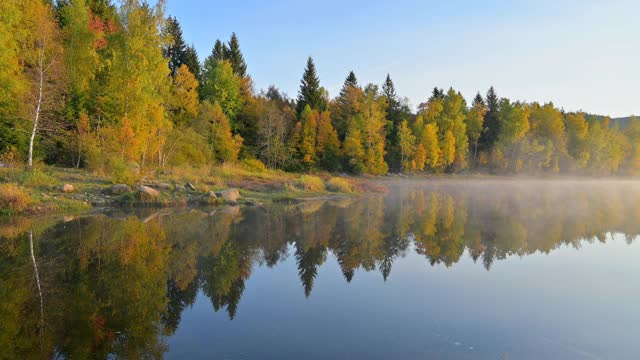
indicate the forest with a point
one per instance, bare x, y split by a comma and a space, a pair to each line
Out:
115, 88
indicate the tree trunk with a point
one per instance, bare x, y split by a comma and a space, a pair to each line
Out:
37, 115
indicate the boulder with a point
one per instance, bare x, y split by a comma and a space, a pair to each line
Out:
190, 186
212, 195
148, 193
231, 195
67, 188
119, 189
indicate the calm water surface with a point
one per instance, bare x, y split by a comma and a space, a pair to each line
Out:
435, 270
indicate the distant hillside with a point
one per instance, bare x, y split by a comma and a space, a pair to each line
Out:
622, 122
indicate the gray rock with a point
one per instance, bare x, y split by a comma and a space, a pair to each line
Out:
98, 201
190, 186
163, 186
212, 195
231, 195
119, 189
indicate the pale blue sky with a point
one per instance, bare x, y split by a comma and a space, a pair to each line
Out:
582, 55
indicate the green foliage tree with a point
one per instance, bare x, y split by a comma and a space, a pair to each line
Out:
213, 121
221, 85
307, 146
406, 143
474, 122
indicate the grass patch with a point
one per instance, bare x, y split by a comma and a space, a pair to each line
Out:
37, 178
13, 199
310, 183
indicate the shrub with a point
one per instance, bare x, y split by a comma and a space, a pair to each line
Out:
253, 165
339, 185
311, 183
121, 172
13, 199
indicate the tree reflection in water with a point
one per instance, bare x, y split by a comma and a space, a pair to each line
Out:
117, 284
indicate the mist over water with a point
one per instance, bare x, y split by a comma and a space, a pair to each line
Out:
451, 268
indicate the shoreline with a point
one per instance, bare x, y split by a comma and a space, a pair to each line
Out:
56, 190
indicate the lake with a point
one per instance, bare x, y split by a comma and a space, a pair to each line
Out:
439, 269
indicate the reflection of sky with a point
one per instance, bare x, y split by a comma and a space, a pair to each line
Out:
582, 54
569, 304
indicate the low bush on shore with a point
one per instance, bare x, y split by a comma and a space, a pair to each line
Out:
310, 183
337, 184
13, 199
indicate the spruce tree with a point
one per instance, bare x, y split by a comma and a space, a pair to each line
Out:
394, 119
491, 124
219, 51
478, 100
176, 50
351, 80
437, 94
389, 91
192, 62
235, 57
310, 91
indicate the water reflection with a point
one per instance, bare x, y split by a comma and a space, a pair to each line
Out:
117, 284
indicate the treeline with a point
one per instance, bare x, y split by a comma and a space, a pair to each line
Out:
86, 83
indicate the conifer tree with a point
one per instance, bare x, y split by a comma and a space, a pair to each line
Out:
437, 94
310, 91
394, 118
219, 51
351, 80
346, 105
192, 62
491, 124
233, 54
176, 49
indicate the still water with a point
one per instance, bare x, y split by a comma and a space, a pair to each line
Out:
520, 269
